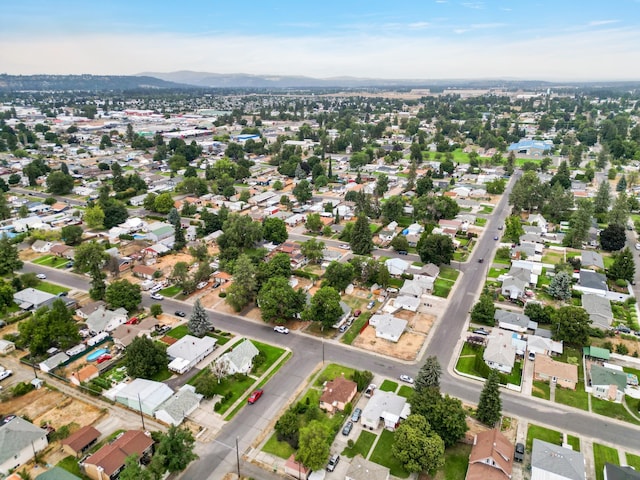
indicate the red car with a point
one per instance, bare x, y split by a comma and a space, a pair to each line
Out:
253, 398
357, 313
104, 358
132, 321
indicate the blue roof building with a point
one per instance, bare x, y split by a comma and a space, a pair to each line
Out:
531, 147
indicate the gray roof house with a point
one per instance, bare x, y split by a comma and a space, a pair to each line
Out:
513, 288
589, 258
386, 406
593, 281
614, 472
187, 352
103, 320
599, 310
517, 322
19, 441
500, 354
240, 359
30, 298
551, 461
363, 469
174, 410
141, 394
52, 362
607, 383
387, 326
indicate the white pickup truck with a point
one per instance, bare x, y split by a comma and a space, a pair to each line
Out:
5, 373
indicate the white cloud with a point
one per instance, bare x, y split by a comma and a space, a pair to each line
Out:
597, 23
581, 55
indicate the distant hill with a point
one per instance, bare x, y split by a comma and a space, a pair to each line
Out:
12, 83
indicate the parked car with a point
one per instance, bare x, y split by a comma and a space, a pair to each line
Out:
201, 285
369, 391
371, 304
132, 321
333, 462
41, 276
281, 329
3, 323
156, 296
402, 252
518, 454
623, 329
343, 328
495, 238
500, 227
357, 313
531, 355
481, 331
406, 378
104, 357
344, 246
355, 416
180, 313
346, 430
255, 395
5, 374
8, 418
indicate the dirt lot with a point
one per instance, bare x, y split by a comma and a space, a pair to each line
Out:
407, 347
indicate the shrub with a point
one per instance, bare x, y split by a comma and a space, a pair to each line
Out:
21, 388
223, 294
621, 283
622, 349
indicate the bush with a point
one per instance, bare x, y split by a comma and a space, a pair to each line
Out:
621, 283
21, 388
622, 349
223, 294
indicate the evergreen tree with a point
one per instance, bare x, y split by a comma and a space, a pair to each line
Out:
429, 375
9, 260
619, 213
361, 237
623, 266
490, 405
603, 198
560, 286
199, 323
622, 184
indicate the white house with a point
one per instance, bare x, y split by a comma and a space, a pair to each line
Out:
19, 442
385, 406
387, 326
103, 320
174, 410
396, 266
140, 394
187, 352
500, 353
240, 359
552, 462
41, 246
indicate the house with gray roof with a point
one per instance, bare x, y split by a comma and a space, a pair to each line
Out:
187, 352
500, 354
362, 469
513, 287
549, 461
385, 406
104, 320
175, 409
516, 322
615, 472
591, 260
387, 326
19, 442
607, 383
240, 359
30, 298
599, 310
140, 394
592, 282
53, 362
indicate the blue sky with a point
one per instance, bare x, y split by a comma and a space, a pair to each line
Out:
429, 39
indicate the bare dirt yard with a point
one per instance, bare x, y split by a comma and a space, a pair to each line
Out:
417, 322
407, 347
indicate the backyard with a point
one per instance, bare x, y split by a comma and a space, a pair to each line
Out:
382, 455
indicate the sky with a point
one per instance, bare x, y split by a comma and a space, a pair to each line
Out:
554, 40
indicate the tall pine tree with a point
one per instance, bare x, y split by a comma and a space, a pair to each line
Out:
490, 405
361, 237
199, 322
429, 374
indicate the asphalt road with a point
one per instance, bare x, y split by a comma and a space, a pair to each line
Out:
219, 457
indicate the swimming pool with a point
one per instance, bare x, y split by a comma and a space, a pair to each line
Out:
94, 356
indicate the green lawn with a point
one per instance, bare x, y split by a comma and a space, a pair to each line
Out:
162, 375
481, 222
271, 354
633, 460
332, 371
496, 272
178, 332
442, 287
222, 339
51, 288
382, 455
362, 445
486, 209
389, 386
236, 387
611, 409
601, 455
70, 464
170, 291
449, 273
354, 330
574, 442
51, 261
456, 462
577, 398
405, 391
278, 448
542, 433
540, 390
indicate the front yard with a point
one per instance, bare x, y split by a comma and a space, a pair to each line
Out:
51, 288
382, 455
601, 455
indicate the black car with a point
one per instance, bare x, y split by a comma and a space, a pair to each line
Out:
180, 313
518, 454
346, 430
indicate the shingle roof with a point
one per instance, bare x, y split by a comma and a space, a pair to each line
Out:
17, 435
112, 456
561, 461
493, 445
80, 439
606, 376
57, 473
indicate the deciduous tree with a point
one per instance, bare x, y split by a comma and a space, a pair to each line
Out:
338, 275
123, 293
71, 234
176, 448
312, 249
623, 266
417, 446
324, 307
313, 449
435, 248
145, 357
243, 289
279, 301
274, 230
572, 325
94, 217
484, 310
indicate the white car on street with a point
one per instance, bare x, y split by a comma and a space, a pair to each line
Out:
406, 378
41, 276
156, 296
281, 329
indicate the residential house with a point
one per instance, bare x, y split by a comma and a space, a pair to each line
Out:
53, 362
615, 472
337, 393
240, 358
388, 326
491, 457
295, 469
362, 469
80, 441
143, 271
85, 374
89, 308
599, 310
62, 251
516, 322
385, 406
140, 394
500, 354
104, 320
108, 461
539, 221
188, 351
543, 345
592, 282
607, 383
591, 260
160, 231
125, 334
546, 369
514, 287
396, 266
174, 410
552, 462
41, 246
6, 347
403, 302
418, 286
19, 442
30, 298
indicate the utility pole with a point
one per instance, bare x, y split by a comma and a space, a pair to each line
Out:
238, 458
141, 414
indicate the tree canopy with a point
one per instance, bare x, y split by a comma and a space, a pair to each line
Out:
435, 248
490, 404
417, 447
324, 307
145, 357
123, 293
199, 323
